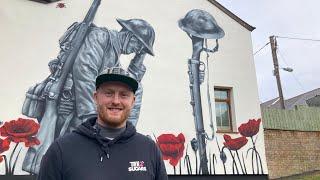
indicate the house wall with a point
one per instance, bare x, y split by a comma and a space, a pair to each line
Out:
30, 33
291, 152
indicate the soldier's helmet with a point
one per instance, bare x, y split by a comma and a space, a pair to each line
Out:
142, 30
201, 24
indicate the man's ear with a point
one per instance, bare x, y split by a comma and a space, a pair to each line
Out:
95, 97
134, 100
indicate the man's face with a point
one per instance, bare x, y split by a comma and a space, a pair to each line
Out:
114, 102
134, 46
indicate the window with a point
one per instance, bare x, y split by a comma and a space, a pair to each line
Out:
223, 109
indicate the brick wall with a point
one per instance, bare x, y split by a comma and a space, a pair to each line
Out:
291, 152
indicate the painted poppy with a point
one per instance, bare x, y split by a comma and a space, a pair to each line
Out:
250, 128
234, 144
172, 147
61, 5
4, 146
21, 130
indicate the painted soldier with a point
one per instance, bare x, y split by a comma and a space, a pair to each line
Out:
101, 49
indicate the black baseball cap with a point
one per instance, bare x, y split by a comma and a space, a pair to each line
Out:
119, 75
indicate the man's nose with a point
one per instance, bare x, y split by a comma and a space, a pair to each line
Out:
116, 99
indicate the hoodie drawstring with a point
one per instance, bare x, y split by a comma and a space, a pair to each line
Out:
88, 129
103, 147
105, 150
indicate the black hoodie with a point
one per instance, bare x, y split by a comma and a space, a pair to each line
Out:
85, 155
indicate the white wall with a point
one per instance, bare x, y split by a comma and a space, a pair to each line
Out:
29, 39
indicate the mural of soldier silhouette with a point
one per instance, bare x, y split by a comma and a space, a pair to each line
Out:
64, 99
99, 49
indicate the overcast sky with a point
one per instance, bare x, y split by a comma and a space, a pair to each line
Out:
287, 18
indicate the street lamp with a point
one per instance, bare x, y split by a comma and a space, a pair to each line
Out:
288, 69
273, 43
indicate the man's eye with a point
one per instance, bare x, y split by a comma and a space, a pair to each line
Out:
108, 94
125, 95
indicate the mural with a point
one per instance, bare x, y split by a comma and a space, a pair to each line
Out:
17, 131
63, 100
173, 149
199, 26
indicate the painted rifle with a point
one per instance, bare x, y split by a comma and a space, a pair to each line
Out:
199, 25
53, 89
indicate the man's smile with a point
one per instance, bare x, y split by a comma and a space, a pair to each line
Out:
115, 109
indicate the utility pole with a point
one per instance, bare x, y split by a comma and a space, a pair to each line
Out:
273, 42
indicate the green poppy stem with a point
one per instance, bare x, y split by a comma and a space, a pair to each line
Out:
15, 161
10, 160
257, 163
234, 162
243, 172
244, 164
210, 164
260, 162
195, 153
252, 156
6, 163
180, 167
188, 164
213, 164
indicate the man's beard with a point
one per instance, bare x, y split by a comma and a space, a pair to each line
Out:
112, 121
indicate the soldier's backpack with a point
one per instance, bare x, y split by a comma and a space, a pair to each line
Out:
34, 103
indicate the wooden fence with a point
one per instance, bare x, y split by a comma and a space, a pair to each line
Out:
302, 118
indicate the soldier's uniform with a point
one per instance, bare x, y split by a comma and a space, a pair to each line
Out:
101, 49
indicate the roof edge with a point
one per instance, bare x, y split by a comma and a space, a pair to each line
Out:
233, 16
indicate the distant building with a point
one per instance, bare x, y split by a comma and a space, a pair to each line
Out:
311, 98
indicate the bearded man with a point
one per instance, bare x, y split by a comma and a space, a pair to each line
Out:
101, 49
106, 146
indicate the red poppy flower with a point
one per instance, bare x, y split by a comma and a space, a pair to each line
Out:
234, 144
21, 130
250, 128
4, 146
172, 147
61, 5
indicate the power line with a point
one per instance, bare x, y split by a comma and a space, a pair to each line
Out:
292, 73
282, 57
261, 48
295, 38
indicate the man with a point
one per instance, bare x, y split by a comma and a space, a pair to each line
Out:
101, 49
106, 146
